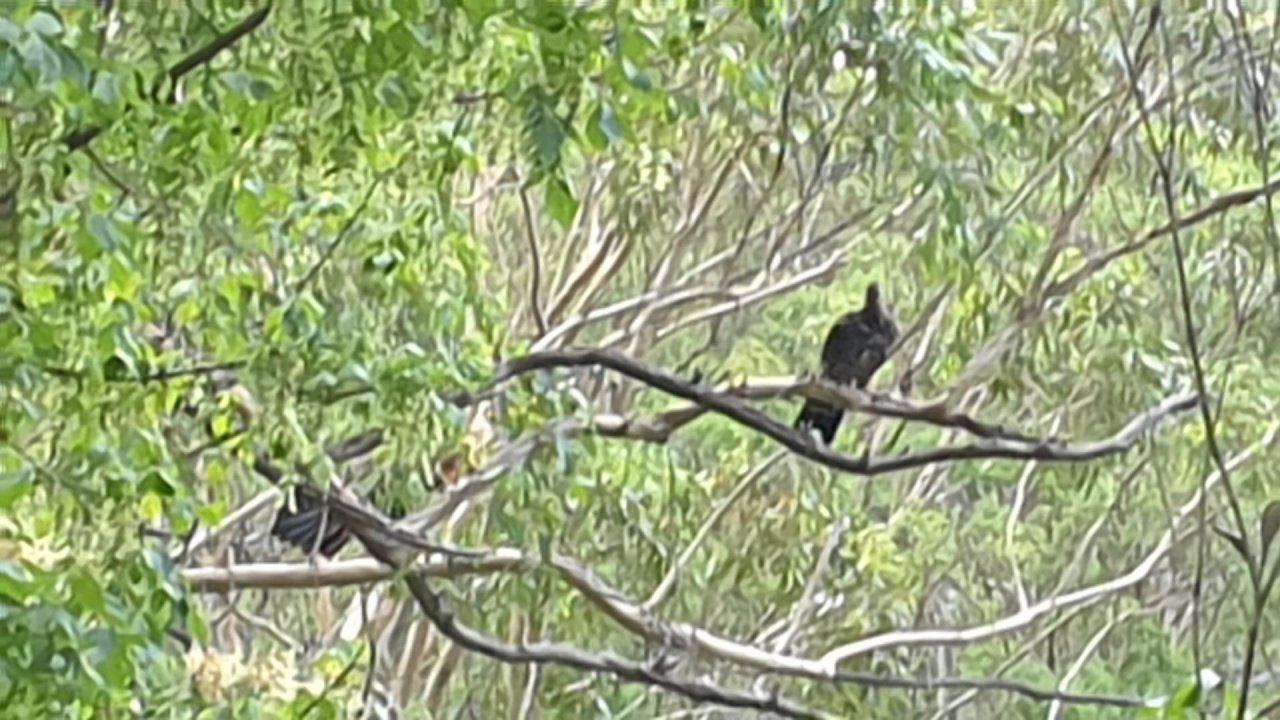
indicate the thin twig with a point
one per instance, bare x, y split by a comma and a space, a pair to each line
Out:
1055, 708
338, 238
668, 583
1164, 164
233, 520
804, 608
535, 281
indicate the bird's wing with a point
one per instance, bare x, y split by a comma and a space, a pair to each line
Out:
844, 345
857, 346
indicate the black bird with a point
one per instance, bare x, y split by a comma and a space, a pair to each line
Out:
855, 348
301, 525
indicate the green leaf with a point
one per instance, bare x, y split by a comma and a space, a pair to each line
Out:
545, 131
42, 23
249, 208
106, 88
248, 85
73, 68
560, 201
87, 591
211, 513
14, 486
759, 11
15, 581
595, 134
184, 288
156, 483
9, 32
610, 124
123, 281
104, 231
8, 68
636, 76
151, 508
41, 58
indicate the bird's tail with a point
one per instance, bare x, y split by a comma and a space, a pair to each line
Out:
822, 417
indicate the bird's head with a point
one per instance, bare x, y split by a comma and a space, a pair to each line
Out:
873, 296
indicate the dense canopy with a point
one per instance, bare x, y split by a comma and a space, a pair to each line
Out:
516, 303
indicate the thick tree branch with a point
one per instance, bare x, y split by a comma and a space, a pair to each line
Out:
630, 616
387, 544
742, 413
673, 635
659, 426
603, 662
339, 573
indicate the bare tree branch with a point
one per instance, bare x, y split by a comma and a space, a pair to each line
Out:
380, 541
1088, 595
605, 662
736, 410
1055, 709
339, 573
804, 609
535, 257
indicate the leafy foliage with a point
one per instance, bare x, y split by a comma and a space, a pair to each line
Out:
356, 209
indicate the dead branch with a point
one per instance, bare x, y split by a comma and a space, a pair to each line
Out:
682, 635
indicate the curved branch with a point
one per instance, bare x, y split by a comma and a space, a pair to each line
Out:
603, 662
803, 445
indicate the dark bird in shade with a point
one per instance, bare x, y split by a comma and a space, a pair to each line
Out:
302, 524
855, 348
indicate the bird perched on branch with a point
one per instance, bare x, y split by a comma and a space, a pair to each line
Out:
304, 520
302, 524
855, 348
